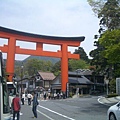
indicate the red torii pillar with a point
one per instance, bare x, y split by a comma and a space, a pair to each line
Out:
11, 57
11, 49
64, 67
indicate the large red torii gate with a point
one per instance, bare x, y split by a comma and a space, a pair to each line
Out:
11, 49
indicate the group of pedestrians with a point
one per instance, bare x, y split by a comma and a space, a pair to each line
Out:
58, 95
29, 97
47, 95
16, 104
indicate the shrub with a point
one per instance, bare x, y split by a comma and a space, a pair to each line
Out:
112, 95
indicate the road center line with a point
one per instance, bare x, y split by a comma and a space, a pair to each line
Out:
56, 113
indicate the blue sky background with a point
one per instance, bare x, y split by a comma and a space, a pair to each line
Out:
50, 17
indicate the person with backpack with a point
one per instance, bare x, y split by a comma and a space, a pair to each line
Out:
16, 105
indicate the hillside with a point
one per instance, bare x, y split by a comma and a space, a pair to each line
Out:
19, 63
53, 60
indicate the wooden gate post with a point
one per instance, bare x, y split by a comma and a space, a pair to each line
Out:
64, 67
11, 57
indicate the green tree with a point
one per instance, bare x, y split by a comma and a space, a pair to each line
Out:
56, 69
110, 40
110, 15
48, 66
108, 12
106, 55
72, 66
82, 53
17, 71
112, 86
34, 65
98, 61
96, 5
77, 64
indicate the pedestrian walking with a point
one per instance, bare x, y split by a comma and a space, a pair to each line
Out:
48, 95
55, 95
58, 95
16, 105
23, 98
45, 95
29, 96
35, 104
61, 95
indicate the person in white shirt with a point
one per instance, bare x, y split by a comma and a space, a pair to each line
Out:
55, 95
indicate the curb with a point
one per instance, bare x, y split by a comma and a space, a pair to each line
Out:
104, 100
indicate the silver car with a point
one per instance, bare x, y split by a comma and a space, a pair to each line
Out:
113, 112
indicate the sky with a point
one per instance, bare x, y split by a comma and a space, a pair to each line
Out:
66, 18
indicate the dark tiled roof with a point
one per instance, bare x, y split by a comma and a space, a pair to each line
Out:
81, 72
7, 30
47, 75
80, 80
73, 80
84, 80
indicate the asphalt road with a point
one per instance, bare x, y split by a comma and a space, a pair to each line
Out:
87, 108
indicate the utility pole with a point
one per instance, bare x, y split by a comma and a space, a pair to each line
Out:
21, 77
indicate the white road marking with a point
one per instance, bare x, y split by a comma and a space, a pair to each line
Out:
45, 115
102, 102
56, 113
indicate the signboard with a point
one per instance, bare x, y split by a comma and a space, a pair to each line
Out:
118, 86
67, 91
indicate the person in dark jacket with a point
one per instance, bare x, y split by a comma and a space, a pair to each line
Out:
34, 106
16, 104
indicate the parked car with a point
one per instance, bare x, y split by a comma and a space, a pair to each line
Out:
113, 112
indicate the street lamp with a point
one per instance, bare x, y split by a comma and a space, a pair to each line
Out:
21, 77
77, 83
77, 88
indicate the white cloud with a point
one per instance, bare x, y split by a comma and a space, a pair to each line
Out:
55, 18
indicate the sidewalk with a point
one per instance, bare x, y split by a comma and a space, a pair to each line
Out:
25, 113
104, 100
